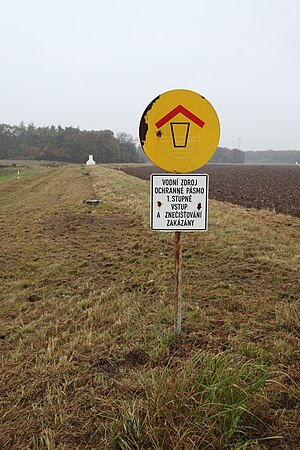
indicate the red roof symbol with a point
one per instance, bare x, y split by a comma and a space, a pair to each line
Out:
179, 109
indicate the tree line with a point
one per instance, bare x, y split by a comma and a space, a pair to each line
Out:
225, 155
235, 156
74, 145
273, 157
66, 144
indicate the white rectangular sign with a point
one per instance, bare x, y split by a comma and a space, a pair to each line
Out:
179, 202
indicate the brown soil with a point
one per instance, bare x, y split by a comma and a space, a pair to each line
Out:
263, 187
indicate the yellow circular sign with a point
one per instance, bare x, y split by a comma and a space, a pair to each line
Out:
179, 131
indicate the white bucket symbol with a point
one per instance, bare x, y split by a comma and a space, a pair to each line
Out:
180, 133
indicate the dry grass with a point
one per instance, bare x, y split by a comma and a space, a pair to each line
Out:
89, 360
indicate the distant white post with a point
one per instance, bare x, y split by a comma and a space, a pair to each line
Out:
90, 161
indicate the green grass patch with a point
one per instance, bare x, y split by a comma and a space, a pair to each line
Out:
210, 402
11, 173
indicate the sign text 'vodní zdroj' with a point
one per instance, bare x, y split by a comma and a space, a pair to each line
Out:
179, 202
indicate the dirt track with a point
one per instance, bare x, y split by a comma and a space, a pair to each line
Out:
263, 187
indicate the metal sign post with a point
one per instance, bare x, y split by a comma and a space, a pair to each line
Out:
179, 132
179, 202
177, 293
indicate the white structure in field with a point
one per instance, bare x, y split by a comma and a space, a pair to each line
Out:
90, 162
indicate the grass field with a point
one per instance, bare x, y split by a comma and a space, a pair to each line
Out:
88, 355
8, 173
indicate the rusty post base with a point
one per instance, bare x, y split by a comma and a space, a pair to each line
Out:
177, 293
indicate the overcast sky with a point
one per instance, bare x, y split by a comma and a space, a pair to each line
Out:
97, 64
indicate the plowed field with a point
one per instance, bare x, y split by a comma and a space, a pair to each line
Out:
276, 188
